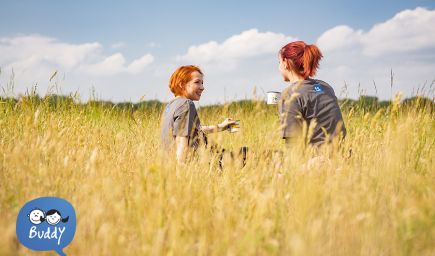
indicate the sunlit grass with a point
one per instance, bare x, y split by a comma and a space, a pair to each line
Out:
132, 200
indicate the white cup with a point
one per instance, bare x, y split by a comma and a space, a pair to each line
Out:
273, 97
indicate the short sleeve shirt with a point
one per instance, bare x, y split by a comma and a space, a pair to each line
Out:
180, 118
307, 101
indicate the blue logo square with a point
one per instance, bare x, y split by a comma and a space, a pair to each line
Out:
318, 88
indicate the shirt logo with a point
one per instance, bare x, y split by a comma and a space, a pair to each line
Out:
318, 88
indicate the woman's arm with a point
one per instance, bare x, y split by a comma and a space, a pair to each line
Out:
212, 128
218, 127
182, 146
291, 118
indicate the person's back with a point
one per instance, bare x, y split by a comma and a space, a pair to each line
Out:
307, 100
314, 100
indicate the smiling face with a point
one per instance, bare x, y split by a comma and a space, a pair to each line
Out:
35, 216
194, 87
53, 219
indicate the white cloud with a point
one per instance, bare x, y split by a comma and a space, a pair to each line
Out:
408, 31
116, 64
247, 44
405, 43
138, 65
24, 52
110, 65
339, 38
38, 54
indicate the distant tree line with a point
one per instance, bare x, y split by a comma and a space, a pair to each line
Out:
367, 103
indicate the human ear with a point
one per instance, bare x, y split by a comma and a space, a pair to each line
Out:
286, 64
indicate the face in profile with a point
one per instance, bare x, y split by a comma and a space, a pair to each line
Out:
194, 87
283, 69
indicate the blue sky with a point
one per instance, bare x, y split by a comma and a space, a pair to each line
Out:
93, 43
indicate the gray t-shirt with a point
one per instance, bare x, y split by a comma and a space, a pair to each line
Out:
180, 118
307, 101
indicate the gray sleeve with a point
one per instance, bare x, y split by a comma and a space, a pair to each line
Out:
184, 118
291, 117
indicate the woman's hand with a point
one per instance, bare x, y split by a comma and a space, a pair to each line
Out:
219, 127
227, 122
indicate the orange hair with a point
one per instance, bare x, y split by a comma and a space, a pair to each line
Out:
179, 79
303, 58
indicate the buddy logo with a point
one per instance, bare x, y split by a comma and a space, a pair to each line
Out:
46, 224
318, 88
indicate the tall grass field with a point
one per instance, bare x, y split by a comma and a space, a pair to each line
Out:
374, 195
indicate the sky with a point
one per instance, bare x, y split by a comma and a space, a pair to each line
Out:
127, 50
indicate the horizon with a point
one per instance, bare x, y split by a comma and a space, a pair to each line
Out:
77, 100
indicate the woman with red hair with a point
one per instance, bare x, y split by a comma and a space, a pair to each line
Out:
307, 100
180, 121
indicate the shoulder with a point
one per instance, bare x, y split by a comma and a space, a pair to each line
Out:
293, 90
182, 105
180, 102
320, 85
298, 90
292, 98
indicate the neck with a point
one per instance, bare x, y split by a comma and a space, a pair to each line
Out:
293, 78
299, 79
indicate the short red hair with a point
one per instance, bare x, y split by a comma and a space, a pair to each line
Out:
303, 58
179, 79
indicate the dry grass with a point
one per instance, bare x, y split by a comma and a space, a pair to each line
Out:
130, 199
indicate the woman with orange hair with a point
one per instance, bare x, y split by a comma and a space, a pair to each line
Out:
307, 100
180, 121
